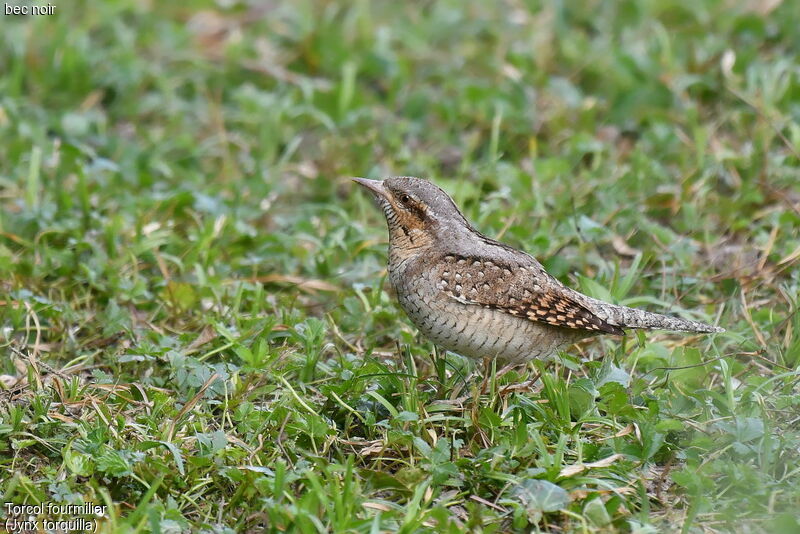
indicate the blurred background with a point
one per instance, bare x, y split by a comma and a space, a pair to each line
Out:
180, 243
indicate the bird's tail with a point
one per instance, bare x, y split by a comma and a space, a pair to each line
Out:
625, 317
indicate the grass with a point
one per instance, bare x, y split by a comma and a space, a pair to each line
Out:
194, 311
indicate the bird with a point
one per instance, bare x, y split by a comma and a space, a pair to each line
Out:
481, 298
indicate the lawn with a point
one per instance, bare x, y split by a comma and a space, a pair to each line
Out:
196, 325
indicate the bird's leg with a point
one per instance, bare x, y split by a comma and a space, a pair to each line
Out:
458, 388
525, 386
506, 368
487, 370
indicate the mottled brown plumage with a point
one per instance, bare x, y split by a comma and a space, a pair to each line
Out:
521, 290
481, 298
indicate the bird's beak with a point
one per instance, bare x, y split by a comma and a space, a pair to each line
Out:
375, 187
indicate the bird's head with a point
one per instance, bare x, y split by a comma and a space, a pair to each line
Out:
417, 211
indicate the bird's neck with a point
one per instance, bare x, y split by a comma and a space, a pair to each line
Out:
405, 242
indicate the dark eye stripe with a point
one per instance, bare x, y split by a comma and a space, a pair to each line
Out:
417, 209
414, 207
411, 204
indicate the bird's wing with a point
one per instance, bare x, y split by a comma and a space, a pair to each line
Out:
522, 289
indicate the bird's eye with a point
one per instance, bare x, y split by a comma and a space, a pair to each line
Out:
404, 199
